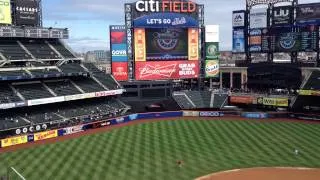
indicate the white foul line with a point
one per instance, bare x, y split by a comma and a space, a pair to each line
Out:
18, 173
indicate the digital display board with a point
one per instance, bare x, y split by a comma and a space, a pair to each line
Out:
308, 14
238, 43
27, 12
309, 38
291, 39
167, 44
159, 70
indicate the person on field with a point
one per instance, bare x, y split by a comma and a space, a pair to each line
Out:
179, 163
296, 152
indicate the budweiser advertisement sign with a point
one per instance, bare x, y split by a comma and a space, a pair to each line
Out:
120, 71
166, 70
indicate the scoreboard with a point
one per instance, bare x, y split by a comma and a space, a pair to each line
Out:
285, 39
33, 32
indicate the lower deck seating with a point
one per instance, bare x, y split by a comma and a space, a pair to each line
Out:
7, 95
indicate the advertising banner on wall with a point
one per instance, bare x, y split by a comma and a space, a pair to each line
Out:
212, 51
193, 45
242, 99
238, 43
120, 71
212, 33
118, 43
308, 14
212, 69
14, 141
255, 41
166, 20
238, 19
258, 18
45, 135
166, 70
27, 12
5, 12
282, 15
119, 52
140, 44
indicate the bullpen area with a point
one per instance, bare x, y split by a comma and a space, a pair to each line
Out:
151, 149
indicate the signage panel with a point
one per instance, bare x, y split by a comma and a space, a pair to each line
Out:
120, 71
166, 70
140, 44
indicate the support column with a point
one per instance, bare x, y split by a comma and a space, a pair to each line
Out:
221, 80
211, 85
231, 80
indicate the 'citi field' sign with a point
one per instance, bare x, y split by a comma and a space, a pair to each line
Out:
165, 6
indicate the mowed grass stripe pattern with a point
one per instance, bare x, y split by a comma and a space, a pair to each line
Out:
150, 151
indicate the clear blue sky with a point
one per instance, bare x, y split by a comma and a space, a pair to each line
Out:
89, 20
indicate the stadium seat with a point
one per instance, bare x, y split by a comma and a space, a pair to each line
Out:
33, 91
40, 49
61, 48
12, 50
63, 87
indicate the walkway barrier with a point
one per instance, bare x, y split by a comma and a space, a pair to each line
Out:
22, 139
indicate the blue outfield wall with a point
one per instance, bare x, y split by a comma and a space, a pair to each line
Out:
175, 114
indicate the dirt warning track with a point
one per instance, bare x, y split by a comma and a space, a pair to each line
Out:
279, 173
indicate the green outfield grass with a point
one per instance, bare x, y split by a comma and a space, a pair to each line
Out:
150, 151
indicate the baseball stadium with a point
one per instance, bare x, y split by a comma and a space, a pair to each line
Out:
171, 107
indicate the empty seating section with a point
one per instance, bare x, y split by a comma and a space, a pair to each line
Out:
7, 95
206, 97
63, 88
10, 122
182, 101
313, 82
13, 73
107, 80
61, 49
42, 72
33, 91
72, 68
219, 100
12, 50
42, 117
88, 85
40, 49
196, 98
91, 67
201, 99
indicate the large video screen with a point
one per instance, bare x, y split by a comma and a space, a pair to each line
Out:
290, 39
166, 44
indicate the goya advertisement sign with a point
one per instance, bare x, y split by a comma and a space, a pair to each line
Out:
212, 68
166, 70
212, 51
5, 12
